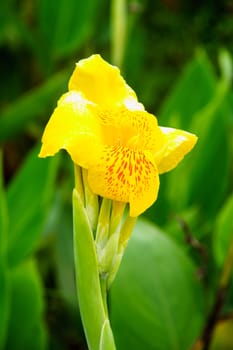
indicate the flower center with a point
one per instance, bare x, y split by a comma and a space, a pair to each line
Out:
134, 142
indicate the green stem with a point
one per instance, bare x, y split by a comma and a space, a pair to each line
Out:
119, 29
92, 306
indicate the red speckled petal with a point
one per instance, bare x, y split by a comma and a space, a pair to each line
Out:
125, 175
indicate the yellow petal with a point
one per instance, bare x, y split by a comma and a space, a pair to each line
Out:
177, 144
137, 130
125, 175
74, 128
102, 83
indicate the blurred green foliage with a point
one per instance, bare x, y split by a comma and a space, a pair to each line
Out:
166, 287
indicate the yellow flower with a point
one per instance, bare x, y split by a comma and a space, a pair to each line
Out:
106, 130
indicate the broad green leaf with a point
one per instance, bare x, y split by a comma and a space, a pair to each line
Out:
15, 117
196, 179
26, 323
192, 92
223, 231
4, 282
72, 22
156, 299
212, 125
211, 158
28, 200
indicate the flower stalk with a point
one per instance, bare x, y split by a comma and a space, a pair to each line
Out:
119, 30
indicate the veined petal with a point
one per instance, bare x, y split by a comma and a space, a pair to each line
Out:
137, 130
125, 175
177, 144
72, 127
102, 83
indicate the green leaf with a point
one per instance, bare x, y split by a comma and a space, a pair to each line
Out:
4, 302
3, 212
28, 198
213, 148
200, 171
16, 116
223, 231
4, 283
64, 251
106, 338
156, 299
191, 93
26, 324
87, 278
72, 22
199, 104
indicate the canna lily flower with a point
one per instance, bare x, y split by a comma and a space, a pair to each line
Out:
104, 128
